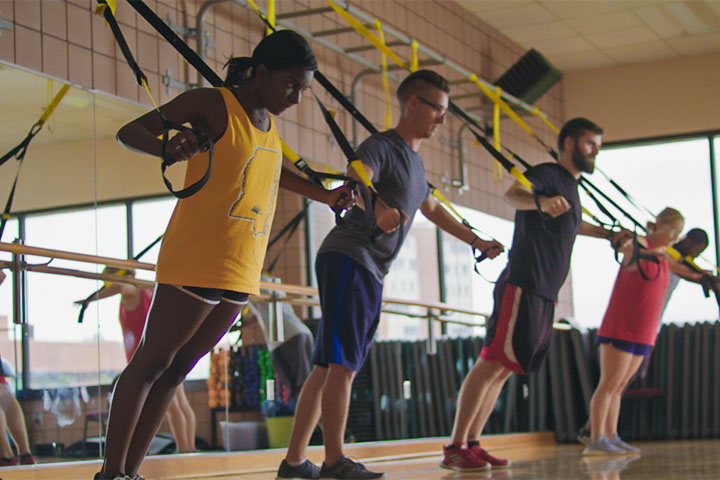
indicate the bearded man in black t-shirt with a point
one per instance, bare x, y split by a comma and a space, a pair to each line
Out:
519, 331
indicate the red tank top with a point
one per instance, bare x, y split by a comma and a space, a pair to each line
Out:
132, 322
633, 313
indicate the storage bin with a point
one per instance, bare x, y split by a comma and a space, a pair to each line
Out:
243, 435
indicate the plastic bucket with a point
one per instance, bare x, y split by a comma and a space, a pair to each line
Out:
278, 429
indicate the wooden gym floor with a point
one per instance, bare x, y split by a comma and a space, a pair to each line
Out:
534, 456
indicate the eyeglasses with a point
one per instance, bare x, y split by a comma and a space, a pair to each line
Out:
439, 109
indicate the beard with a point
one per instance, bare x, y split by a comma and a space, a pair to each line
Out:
582, 162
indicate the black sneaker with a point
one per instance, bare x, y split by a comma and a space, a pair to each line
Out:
349, 470
306, 470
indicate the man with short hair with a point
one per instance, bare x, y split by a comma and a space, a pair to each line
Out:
351, 265
519, 330
691, 245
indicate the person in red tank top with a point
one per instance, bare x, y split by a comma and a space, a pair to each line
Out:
629, 328
135, 304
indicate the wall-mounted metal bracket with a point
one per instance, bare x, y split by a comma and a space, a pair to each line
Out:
171, 83
190, 32
179, 29
461, 183
448, 142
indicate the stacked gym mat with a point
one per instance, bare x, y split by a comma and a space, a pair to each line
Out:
677, 398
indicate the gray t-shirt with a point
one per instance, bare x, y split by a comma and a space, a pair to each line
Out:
399, 178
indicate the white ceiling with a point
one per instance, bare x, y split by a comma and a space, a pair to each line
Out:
80, 116
587, 34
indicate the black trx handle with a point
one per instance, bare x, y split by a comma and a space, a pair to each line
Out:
205, 144
638, 254
19, 153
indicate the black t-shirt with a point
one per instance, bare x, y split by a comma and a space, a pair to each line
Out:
541, 249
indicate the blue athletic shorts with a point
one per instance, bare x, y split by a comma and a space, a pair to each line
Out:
629, 347
350, 300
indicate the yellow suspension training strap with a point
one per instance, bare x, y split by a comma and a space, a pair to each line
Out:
386, 81
21, 149
106, 9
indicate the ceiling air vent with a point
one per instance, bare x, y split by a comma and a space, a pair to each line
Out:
530, 77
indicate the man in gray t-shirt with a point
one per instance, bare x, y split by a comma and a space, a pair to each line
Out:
352, 263
399, 178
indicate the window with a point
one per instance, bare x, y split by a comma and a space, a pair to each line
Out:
665, 173
465, 288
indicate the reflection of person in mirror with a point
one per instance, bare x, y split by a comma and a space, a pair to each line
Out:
291, 356
607, 468
134, 306
12, 420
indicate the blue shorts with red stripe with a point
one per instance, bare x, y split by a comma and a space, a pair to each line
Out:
519, 331
350, 300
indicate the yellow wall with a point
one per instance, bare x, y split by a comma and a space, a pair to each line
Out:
648, 100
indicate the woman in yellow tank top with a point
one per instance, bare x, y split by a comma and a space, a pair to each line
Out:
214, 246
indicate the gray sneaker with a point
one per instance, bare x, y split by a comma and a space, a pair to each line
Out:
602, 446
306, 470
348, 470
617, 441
583, 436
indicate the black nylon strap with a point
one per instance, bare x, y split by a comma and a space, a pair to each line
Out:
368, 193
139, 255
203, 141
19, 154
340, 137
122, 43
637, 255
347, 104
290, 228
612, 202
188, 54
163, 29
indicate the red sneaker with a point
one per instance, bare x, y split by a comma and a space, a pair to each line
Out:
8, 462
462, 460
483, 454
27, 459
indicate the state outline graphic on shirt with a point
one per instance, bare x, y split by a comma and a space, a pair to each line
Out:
242, 209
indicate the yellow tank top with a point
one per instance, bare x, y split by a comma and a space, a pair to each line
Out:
217, 238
